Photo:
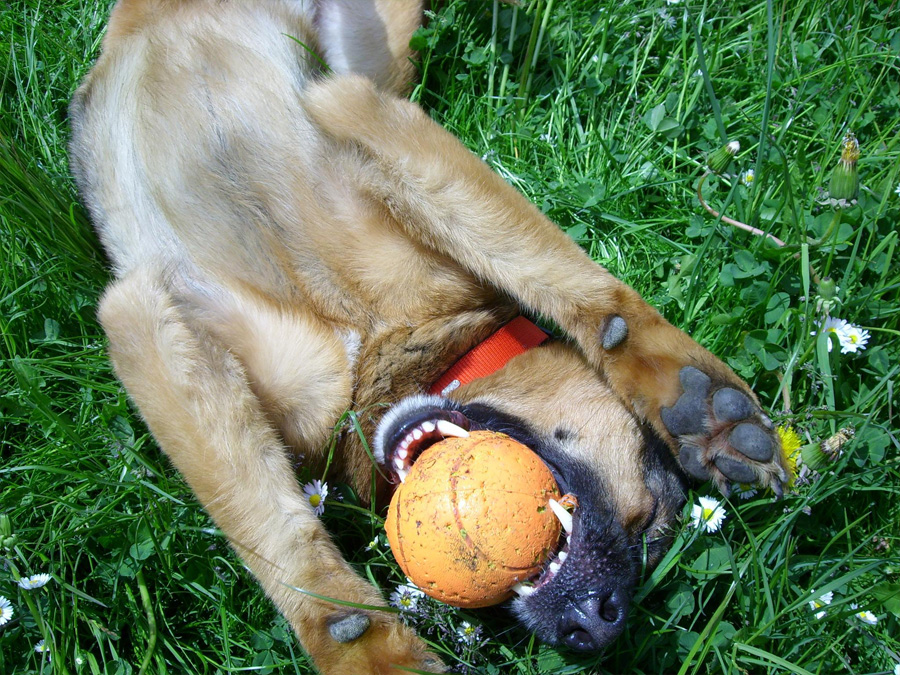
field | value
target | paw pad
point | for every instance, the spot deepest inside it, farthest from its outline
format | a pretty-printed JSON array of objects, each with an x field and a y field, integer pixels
[
  {"x": 752, "y": 442},
  {"x": 348, "y": 627},
  {"x": 689, "y": 411}
]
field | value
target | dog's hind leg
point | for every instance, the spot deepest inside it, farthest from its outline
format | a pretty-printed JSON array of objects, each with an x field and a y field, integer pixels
[
  {"x": 195, "y": 396},
  {"x": 447, "y": 198}
]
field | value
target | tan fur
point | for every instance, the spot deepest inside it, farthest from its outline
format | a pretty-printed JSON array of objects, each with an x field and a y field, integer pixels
[{"x": 289, "y": 246}]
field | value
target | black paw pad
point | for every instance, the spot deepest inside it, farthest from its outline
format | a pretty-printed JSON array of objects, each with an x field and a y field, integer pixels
[
  {"x": 615, "y": 332},
  {"x": 348, "y": 627},
  {"x": 735, "y": 470},
  {"x": 752, "y": 442},
  {"x": 730, "y": 405},
  {"x": 689, "y": 411},
  {"x": 690, "y": 459}
]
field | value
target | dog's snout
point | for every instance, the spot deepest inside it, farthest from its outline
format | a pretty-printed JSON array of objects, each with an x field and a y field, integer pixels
[{"x": 593, "y": 621}]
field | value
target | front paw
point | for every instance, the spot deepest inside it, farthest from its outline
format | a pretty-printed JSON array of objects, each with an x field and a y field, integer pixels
[{"x": 724, "y": 435}]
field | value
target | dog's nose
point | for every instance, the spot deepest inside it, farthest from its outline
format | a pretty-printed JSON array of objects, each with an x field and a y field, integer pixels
[{"x": 593, "y": 621}]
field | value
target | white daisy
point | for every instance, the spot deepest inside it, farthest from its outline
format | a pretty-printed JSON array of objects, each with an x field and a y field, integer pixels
[
  {"x": 745, "y": 490},
  {"x": 406, "y": 597},
  {"x": 898, "y": 192},
  {"x": 897, "y": 667},
  {"x": 748, "y": 177},
  {"x": 467, "y": 633},
  {"x": 6, "y": 611},
  {"x": 865, "y": 616},
  {"x": 818, "y": 603},
  {"x": 836, "y": 326},
  {"x": 42, "y": 648},
  {"x": 709, "y": 513},
  {"x": 853, "y": 338},
  {"x": 34, "y": 581},
  {"x": 315, "y": 492}
]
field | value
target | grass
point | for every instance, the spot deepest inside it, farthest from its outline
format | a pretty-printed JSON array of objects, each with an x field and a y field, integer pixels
[{"x": 602, "y": 113}]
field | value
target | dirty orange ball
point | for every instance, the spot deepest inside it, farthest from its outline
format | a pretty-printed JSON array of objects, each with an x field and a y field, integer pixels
[{"x": 472, "y": 519}]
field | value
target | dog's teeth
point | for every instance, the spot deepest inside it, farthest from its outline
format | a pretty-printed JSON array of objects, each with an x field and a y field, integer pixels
[
  {"x": 417, "y": 434},
  {"x": 428, "y": 427},
  {"x": 562, "y": 556},
  {"x": 554, "y": 567},
  {"x": 564, "y": 516},
  {"x": 523, "y": 590},
  {"x": 402, "y": 474},
  {"x": 449, "y": 429},
  {"x": 399, "y": 463},
  {"x": 401, "y": 453}
]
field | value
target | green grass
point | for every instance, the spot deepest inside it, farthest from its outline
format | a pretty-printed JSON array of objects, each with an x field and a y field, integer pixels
[{"x": 602, "y": 113}]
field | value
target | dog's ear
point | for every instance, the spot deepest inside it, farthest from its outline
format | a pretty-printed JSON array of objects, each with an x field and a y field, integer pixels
[{"x": 371, "y": 38}]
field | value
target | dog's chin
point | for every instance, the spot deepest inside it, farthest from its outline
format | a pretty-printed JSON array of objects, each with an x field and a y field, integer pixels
[{"x": 581, "y": 597}]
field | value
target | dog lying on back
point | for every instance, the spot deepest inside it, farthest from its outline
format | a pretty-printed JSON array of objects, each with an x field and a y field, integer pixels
[{"x": 290, "y": 243}]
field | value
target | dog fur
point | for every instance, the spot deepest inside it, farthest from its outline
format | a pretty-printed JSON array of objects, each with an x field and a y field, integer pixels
[{"x": 291, "y": 241}]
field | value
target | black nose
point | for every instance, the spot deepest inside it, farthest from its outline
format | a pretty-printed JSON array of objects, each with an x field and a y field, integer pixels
[{"x": 593, "y": 621}]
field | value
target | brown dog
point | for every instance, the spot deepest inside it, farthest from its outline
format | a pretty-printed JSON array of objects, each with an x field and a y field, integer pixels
[{"x": 290, "y": 244}]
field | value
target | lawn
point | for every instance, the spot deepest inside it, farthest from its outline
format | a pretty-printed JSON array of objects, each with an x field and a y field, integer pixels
[{"x": 605, "y": 114}]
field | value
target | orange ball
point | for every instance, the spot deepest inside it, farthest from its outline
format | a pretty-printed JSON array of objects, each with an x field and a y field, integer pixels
[{"x": 472, "y": 519}]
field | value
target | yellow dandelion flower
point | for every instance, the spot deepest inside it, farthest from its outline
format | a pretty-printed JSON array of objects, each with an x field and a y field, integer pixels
[{"x": 790, "y": 444}]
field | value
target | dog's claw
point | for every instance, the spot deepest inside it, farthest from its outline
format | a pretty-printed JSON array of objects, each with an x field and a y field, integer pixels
[
  {"x": 349, "y": 627},
  {"x": 614, "y": 333},
  {"x": 723, "y": 434}
]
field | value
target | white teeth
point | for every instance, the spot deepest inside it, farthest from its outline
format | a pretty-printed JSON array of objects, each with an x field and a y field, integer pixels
[
  {"x": 428, "y": 427},
  {"x": 402, "y": 474},
  {"x": 564, "y": 516},
  {"x": 417, "y": 434},
  {"x": 554, "y": 567},
  {"x": 399, "y": 463},
  {"x": 522, "y": 589},
  {"x": 562, "y": 556},
  {"x": 449, "y": 429},
  {"x": 401, "y": 453}
]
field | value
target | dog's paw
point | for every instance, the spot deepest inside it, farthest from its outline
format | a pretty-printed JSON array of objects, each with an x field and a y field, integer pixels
[{"x": 724, "y": 436}]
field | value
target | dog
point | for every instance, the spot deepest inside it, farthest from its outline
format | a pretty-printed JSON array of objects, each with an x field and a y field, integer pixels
[{"x": 291, "y": 239}]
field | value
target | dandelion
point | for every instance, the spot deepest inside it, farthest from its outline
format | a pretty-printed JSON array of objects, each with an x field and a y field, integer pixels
[
  {"x": 853, "y": 339},
  {"x": 6, "y": 611},
  {"x": 790, "y": 444},
  {"x": 315, "y": 492},
  {"x": 406, "y": 597},
  {"x": 817, "y": 604},
  {"x": 748, "y": 177},
  {"x": 719, "y": 160},
  {"x": 34, "y": 581},
  {"x": 844, "y": 185},
  {"x": 709, "y": 513},
  {"x": 467, "y": 633}
]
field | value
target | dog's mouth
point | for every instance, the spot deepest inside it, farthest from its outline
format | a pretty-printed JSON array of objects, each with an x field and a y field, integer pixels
[
  {"x": 412, "y": 428},
  {"x": 561, "y": 509}
]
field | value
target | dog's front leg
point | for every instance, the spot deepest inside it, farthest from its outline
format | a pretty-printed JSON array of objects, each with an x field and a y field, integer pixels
[
  {"x": 447, "y": 198},
  {"x": 194, "y": 395}
]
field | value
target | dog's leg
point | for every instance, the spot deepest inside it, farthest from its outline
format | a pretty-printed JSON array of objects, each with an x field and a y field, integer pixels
[
  {"x": 447, "y": 198},
  {"x": 194, "y": 395}
]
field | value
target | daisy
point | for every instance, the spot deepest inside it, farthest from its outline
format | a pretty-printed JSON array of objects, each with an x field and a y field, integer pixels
[
  {"x": 836, "y": 326},
  {"x": 6, "y": 611},
  {"x": 315, "y": 492},
  {"x": 42, "y": 648},
  {"x": 748, "y": 177},
  {"x": 897, "y": 667},
  {"x": 744, "y": 490},
  {"x": 898, "y": 192},
  {"x": 406, "y": 597},
  {"x": 709, "y": 513},
  {"x": 853, "y": 339},
  {"x": 865, "y": 616},
  {"x": 467, "y": 633},
  {"x": 34, "y": 581},
  {"x": 817, "y": 604}
]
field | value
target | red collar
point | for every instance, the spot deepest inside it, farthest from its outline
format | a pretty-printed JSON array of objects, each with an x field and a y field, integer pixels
[{"x": 516, "y": 337}]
